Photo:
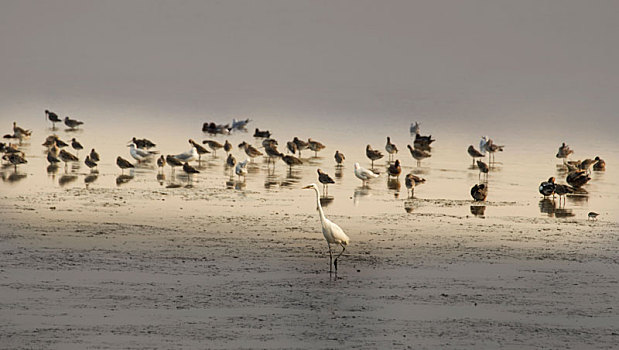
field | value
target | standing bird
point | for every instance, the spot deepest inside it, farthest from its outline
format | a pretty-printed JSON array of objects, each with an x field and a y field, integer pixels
[
  {"x": 479, "y": 192},
  {"x": 227, "y": 147},
  {"x": 547, "y": 188},
  {"x": 483, "y": 168},
  {"x": 189, "y": 170},
  {"x": 290, "y": 161},
  {"x": 315, "y": 146},
  {"x": 325, "y": 180},
  {"x": 188, "y": 156},
  {"x": 15, "y": 159},
  {"x": 423, "y": 142},
  {"x": 332, "y": 232},
  {"x": 577, "y": 179},
  {"x": 394, "y": 169},
  {"x": 52, "y": 158},
  {"x": 20, "y": 133},
  {"x": 53, "y": 117},
  {"x": 230, "y": 161},
  {"x": 391, "y": 148},
  {"x": 67, "y": 157},
  {"x": 272, "y": 152},
  {"x": 161, "y": 162},
  {"x": 339, "y": 158},
  {"x": 292, "y": 147},
  {"x": 600, "y": 164},
  {"x": 411, "y": 181},
  {"x": 364, "y": 174},
  {"x": 564, "y": 151},
  {"x": 301, "y": 145},
  {"x": 492, "y": 148},
  {"x": 418, "y": 154},
  {"x": 72, "y": 123},
  {"x": 262, "y": 134},
  {"x": 241, "y": 169},
  {"x": 250, "y": 150},
  {"x": 201, "y": 150},
  {"x": 76, "y": 145},
  {"x": 592, "y": 215},
  {"x": 562, "y": 190},
  {"x": 474, "y": 153},
  {"x": 94, "y": 156},
  {"x": 140, "y": 154},
  {"x": 89, "y": 162},
  {"x": 123, "y": 164},
  {"x": 214, "y": 145},
  {"x": 143, "y": 143},
  {"x": 173, "y": 162},
  {"x": 372, "y": 154}
]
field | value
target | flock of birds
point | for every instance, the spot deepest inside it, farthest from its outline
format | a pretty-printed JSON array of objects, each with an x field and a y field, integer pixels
[{"x": 143, "y": 150}]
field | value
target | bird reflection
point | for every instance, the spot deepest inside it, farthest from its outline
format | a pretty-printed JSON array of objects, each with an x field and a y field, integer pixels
[
  {"x": 230, "y": 183},
  {"x": 15, "y": 177},
  {"x": 91, "y": 178},
  {"x": 123, "y": 179},
  {"x": 478, "y": 210},
  {"x": 409, "y": 205},
  {"x": 325, "y": 201},
  {"x": 52, "y": 169},
  {"x": 547, "y": 206},
  {"x": 339, "y": 171},
  {"x": 270, "y": 181},
  {"x": 161, "y": 178},
  {"x": 240, "y": 185},
  {"x": 360, "y": 192},
  {"x": 66, "y": 179}
]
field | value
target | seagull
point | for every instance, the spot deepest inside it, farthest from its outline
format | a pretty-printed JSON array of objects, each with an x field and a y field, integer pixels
[
  {"x": 189, "y": 170},
  {"x": 53, "y": 117},
  {"x": 227, "y": 147},
  {"x": 123, "y": 164},
  {"x": 578, "y": 178},
  {"x": 482, "y": 145},
  {"x": 15, "y": 159},
  {"x": 390, "y": 148},
  {"x": 315, "y": 146},
  {"x": 394, "y": 169},
  {"x": 592, "y": 215},
  {"x": 241, "y": 169},
  {"x": 479, "y": 192},
  {"x": 214, "y": 145},
  {"x": 333, "y": 233},
  {"x": 339, "y": 157},
  {"x": 418, "y": 154},
  {"x": 564, "y": 151},
  {"x": 290, "y": 161},
  {"x": 483, "y": 168},
  {"x": 301, "y": 145},
  {"x": 474, "y": 153},
  {"x": 173, "y": 161},
  {"x": 143, "y": 143},
  {"x": 139, "y": 154},
  {"x": 414, "y": 129},
  {"x": 372, "y": 154},
  {"x": 411, "y": 181},
  {"x": 547, "y": 188},
  {"x": 201, "y": 150},
  {"x": 264, "y": 133},
  {"x": 161, "y": 162},
  {"x": 94, "y": 156},
  {"x": 239, "y": 124},
  {"x": 599, "y": 165},
  {"x": 364, "y": 174},
  {"x": 89, "y": 162},
  {"x": 188, "y": 156},
  {"x": 325, "y": 180},
  {"x": 72, "y": 123}
]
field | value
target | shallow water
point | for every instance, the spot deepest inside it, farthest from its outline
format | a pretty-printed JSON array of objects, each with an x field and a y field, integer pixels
[{"x": 513, "y": 180}]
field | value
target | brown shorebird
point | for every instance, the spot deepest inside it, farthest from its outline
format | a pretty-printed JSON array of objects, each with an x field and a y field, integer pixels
[
  {"x": 173, "y": 162},
  {"x": 325, "y": 180},
  {"x": 94, "y": 156},
  {"x": 67, "y": 157},
  {"x": 301, "y": 145},
  {"x": 20, "y": 133},
  {"x": 72, "y": 123},
  {"x": 53, "y": 117},
  {"x": 230, "y": 161},
  {"x": 291, "y": 160},
  {"x": 15, "y": 159},
  {"x": 586, "y": 165},
  {"x": 292, "y": 147},
  {"x": 123, "y": 164},
  {"x": 315, "y": 146},
  {"x": 411, "y": 181},
  {"x": 143, "y": 143},
  {"x": 483, "y": 168},
  {"x": 562, "y": 190},
  {"x": 474, "y": 153},
  {"x": 418, "y": 154},
  {"x": 339, "y": 157},
  {"x": 76, "y": 145},
  {"x": 372, "y": 154},
  {"x": 479, "y": 192},
  {"x": 272, "y": 152},
  {"x": 391, "y": 148},
  {"x": 52, "y": 158},
  {"x": 89, "y": 162},
  {"x": 250, "y": 150},
  {"x": 600, "y": 164},
  {"x": 564, "y": 151},
  {"x": 161, "y": 162},
  {"x": 578, "y": 178},
  {"x": 201, "y": 150},
  {"x": 394, "y": 169},
  {"x": 214, "y": 145},
  {"x": 423, "y": 142},
  {"x": 189, "y": 170},
  {"x": 227, "y": 147},
  {"x": 547, "y": 188}
]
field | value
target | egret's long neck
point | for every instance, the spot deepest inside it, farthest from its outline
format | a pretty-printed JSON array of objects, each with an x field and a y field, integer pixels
[{"x": 322, "y": 214}]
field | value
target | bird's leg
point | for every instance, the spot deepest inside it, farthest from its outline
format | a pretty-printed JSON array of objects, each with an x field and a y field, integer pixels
[
  {"x": 330, "y": 259},
  {"x": 335, "y": 261}
]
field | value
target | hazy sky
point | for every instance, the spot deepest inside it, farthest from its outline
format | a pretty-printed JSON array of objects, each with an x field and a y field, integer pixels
[{"x": 462, "y": 62}]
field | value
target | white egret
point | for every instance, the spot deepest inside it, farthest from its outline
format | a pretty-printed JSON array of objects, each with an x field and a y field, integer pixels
[
  {"x": 331, "y": 231},
  {"x": 364, "y": 174}
]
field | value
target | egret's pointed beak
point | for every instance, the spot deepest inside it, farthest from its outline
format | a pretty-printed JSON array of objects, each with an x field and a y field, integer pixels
[{"x": 306, "y": 187}]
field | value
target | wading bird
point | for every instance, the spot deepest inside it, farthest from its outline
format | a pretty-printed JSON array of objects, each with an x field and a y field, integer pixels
[
  {"x": 363, "y": 174},
  {"x": 325, "y": 180}
]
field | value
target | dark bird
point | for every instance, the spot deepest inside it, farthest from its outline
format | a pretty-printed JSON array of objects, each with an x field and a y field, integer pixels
[
  {"x": 67, "y": 157},
  {"x": 227, "y": 147},
  {"x": 600, "y": 164},
  {"x": 94, "y": 156},
  {"x": 189, "y": 170},
  {"x": 291, "y": 160},
  {"x": 339, "y": 157},
  {"x": 172, "y": 161},
  {"x": 72, "y": 123},
  {"x": 418, "y": 154},
  {"x": 423, "y": 142},
  {"x": 479, "y": 192},
  {"x": 53, "y": 117},
  {"x": 562, "y": 190},
  {"x": 586, "y": 165},
  {"x": 230, "y": 161},
  {"x": 483, "y": 168},
  {"x": 578, "y": 178},
  {"x": 123, "y": 164},
  {"x": 52, "y": 158},
  {"x": 263, "y": 133},
  {"x": 89, "y": 162},
  {"x": 474, "y": 153},
  {"x": 15, "y": 159},
  {"x": 201, "y": 150},
  {"x": 54, "y": 140},
  {"x": 395, "y": 169},
  {"x": 161, "y": 162},
  {"x": 76, "y": 145},
  {"x": 564, "y": 151},
  {"x": 372, "y": 154},
  {"x": 547, "y": 188},
  {"x": 411, "y": 181},
  {"x": 390, "y": 148},
  {"x": 592, "y": 215},
  {"x": 214, "y": 145},
  {"x": 292, "y": 147},
  {"x": 325, "y": 180},
  {"x": 269, "y": 143},
  {"x": 315, "y": 146},
  {"x": 301, "y": 145},
  {"x": 272, "y": 152},
  {"x": 143, "y": 143}
]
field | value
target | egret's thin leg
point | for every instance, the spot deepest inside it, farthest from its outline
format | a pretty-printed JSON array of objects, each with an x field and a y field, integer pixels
[
  {"x": 335, "y": 261},
  {"x": 330, "y": 258}
]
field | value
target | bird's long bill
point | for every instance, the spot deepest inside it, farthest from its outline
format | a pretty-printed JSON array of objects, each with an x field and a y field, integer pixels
[{"x": 306, "y": 187}]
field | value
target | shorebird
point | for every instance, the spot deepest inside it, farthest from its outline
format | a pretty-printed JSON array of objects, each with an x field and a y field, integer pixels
[
  {"x": 214, "y": 145},
  {"x": 20, "y": 133},
  {"x": 547, "y": 188},
  {"x": 263, "y": 133},
  {"x": 423, "y": 142},
  {"x": 15, "y": 159},
  {"x": 89, "y": 162},
  {"x": 143, "y": 143},
  {"x": 474, "y": 153},
  {"x": 315, "y": 146},
  {"x": 290, "y": 161},
  {"x": 394, "y": 169},
  {"x": 390, "y": 148},
  {"x": 339, "y": 157},
  {"x": 54, "y": 140},
  {"x": 269, "y": 143},
  {"x": 562, "y": 190},
  {"x": 214, "y": 129},
  {"x": 123, "y": 164},
  {"x": 72, "y": 123},
  {"x": 592, "y": 215},
  {"x": 372, "y": 154},
  {"x": 492, "y": 148},
  {"x": 250, "y": 150},
  {"x": 586, "y": 165},
  {"x": 364, "y": 174},
  {"x": 53, "y": 117},
  {"x": 418, "y": 154},
  {"x": 140, "y": 154},
  {"x": 325, "y": 180},
  {"x": 161, "y": 162},
  {"x": 564, "y": 151},
  {"x": 411, "y": 181},
  {"x": 241, "y": 169},
  {"x": 578, "y": 178},
  {"x": 188, "y": 156},
  {"x": 479, "y": 192},
  {"x": 292, "y": 147},
  {"x": 301, "y": 145},
  {"x": 599, "y": 165},
  {"x": 272, "y": 152},
  {"x": 227, "y": 147},
  {"x": 189, "y": 170},
  {"x": 67, "y": 157},
  {"x": 52, "y": 158},
  {"x": 11, "y": 148},
  {"x": 94, "y": 156},
  {"x": 76, "y": 145},
  {"x": 483, "y": 168},
  {"x": 482, "y": 145},
  {"x": 173, "y": 162},
  {"x": 201, "y": 150},
  {"x": 333, "y": 233},
  {"x": 230, "y": 161}
]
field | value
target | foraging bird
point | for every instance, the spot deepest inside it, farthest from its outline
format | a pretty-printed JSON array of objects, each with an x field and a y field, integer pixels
[
  {"x": 564, "y": 151},
  {"x": 214, "y": 145},
  {"x": 15, "y": 159},
  {"x": 418, "y": 154},
  {"x": 241, "y": 169},
  {"x": 230, "y": 161},
  {"x": 264, "y": 133},
  {"x": 53, "y": 117},
  {"x": 372, "y": 154},
  {"x": 143, "y": 143},
  {"x": 333, "y": 233},
  {"x": 123, "y": 164},
  {"x": 315, "y": 146},
  {"x": 325, "y": 180},
  {"x": 188, "y": 156},
  {"x": 547, "y": 188},
  {"x": 592, "y": 215},
  {"x": 94, "y": 156},
  {"x": 290, "y": 161},
  {"x": 364, "y": 174},
  {"x": 72, "y": 123},
  {"x": 227, "y": 147},
  {"x": 390, "y": 148},
  {"x": 76, "y": 145},
  {"x": 578, "y": 178},
  {"x": 474, "y": 153},
  {"x": 483, "y": 168},
  {"x": 479, "y": 192},
  {"x": 411, "y": 181},
  {"x": 89, "y": 162},
  {"x": 600, "y": 164},
  {"x": 301, "y": 145},
  {"x": 172, "y": 161},
  {"x": 67, "y": 157},
  {"x": 189, "y": 170},
  {"x": 562, "y": 190},
  {"x": 201, "y": 150},
  {"x": 394, "y": 169},
  {"x": 161, "y": 162},
  {"x": 292, "y": 147},
  {"x": 339, "y": 157}
]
